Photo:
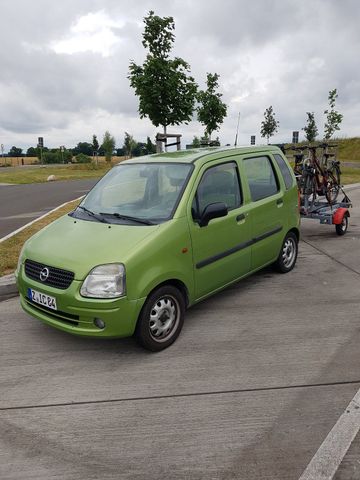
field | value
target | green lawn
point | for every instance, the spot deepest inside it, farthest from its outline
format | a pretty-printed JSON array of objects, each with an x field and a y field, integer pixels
[{"x": 40, "y": 174}]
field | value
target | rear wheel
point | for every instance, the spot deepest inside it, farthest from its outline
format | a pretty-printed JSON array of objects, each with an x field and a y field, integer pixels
[
  {"x": 288, "y": 254},
  {"x": 332, "y": 188},
  {"x": 342, "y": 227},
  {"x": 161, "y": 318}
]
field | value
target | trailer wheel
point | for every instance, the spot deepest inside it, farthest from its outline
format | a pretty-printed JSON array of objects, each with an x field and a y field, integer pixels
[{"x": 342, "y": 227}]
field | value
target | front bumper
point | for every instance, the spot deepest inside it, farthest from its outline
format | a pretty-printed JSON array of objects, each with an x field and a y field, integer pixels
[{"x": 76, "y": 314}]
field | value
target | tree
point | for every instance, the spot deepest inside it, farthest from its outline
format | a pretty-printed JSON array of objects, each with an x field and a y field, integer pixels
[
  {"x": 129, "y": 144},
  {"x": 95, "y": 145},
  {"x": 310, "y": 129},
  {"x": 211, "y": 111},
  {"x": 15, "y": 152},
  {"x": 269, "y": 126},
  {"x": 83, "y": 147},
  {"x": 333, "y": 118},
  {"x": 108, "y": 145},
  {"x": 150, "y": 147},
  {"x": 196, "y": 143},
  {"x": 165, "y": 89}
]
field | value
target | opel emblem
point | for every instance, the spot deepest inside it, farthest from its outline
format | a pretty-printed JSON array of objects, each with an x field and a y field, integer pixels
[{"x": 44, "y": 274}]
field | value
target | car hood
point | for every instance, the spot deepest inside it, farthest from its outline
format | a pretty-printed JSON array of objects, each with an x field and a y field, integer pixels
[{"x": 79, "y": 245}]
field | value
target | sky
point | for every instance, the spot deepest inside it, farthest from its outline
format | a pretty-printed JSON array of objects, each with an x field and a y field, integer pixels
[{"x": 64, "y": 65}]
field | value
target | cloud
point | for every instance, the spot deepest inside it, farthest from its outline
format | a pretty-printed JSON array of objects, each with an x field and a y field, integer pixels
[{"x": 63, "y": 69}]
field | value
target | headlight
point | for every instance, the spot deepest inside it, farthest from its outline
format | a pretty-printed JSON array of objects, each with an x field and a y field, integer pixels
[{"x": 105, "y": 281}]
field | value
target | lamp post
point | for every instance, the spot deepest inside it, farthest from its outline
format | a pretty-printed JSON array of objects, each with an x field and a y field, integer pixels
[
  {"x": 62, "y": 153},
  {"x": 2, "y": 151}
]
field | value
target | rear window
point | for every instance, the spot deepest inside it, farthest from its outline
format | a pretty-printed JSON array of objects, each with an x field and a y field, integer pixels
[
  {"x": 261, "y": 177},
  {"x": 285, "y": 171}
]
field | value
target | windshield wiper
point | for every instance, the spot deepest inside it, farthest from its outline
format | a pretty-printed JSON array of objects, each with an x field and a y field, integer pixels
[
  {"x": 128, "y": 217},
  {"x": 93, "y": 214}
]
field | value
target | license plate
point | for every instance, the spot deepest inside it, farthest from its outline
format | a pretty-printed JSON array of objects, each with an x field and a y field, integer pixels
[{"x": 42, "y": 299}]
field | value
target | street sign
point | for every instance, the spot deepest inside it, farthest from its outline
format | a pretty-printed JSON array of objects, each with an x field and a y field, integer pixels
[
  {"x": 41, "y": 142},
  {"x": 295, "y": 138}
]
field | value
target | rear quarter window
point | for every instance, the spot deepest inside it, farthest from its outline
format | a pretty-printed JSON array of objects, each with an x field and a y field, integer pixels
[{"x": 285, "y": 171}]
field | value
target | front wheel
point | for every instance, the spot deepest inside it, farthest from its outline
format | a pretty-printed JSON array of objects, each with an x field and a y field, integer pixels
[
  {"x": 161, "y": 318},
  {"x": 288, "y": 254}
]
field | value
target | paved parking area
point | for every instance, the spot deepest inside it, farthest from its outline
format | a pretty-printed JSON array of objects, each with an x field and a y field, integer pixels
[{"x": 257, "y": 379}]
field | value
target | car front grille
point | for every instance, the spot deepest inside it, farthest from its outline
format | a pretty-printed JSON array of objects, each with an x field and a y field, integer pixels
[{"x": 56, "y": 278}]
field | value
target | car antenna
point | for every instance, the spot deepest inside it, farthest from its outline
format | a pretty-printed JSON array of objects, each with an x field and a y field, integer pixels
[{"x": 237, "y": 131}]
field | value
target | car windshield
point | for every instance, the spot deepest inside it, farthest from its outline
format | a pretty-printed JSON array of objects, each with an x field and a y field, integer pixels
[{"x": 143, "y": 193}]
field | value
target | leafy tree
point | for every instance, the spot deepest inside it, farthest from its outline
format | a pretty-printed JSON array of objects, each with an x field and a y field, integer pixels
[
  {"x": 129, "y": 144},
  {"x": 150, "y": 147},
  {"x": 83, "y": 147},
  {"x": 211, "y": 111},
  {"x": 165, "y": 89},
  {"x": 139, "y": 149},
  {"x": 310, "y": 129},
  {"x": 15, "y": 152},
  {"x": 333, "y": 118},
  {"x": 32, "y": 152},
  {"x": 196, "y": 143},
  {"x": 269, "y": 126},
  {"x": 95, "y": 145},
  {"x": 108, "y": 145},
  {"x": 120, "y": 152}
]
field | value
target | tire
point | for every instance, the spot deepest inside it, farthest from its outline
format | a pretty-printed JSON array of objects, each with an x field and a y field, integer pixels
[
  {"x": 332, "y": 188},
  {"x": 161, "y": 318},
  {"x": 309, "y": 190},
  {"x": 342, "y": 227},
  {"x": 288, "y": 254}
]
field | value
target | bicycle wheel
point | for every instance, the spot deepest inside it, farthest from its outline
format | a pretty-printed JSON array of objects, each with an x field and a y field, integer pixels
[
  {"x": 332, "y": 188},
  {"x": 334, "y": 169},
  {"x": 309, "y": 190}
]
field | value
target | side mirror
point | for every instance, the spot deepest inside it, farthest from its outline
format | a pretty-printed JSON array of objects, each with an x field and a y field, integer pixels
[{"x": 213, "y": 210}]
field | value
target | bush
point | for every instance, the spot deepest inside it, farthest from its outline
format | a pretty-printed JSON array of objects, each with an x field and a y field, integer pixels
[
  {"x": 81, "y": 158},
  {"x": 51, "y": 157}
]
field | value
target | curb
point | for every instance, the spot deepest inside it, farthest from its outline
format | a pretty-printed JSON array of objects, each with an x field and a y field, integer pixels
[{"x": 8, "y": 288}]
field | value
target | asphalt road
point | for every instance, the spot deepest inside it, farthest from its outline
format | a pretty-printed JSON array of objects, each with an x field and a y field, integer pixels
[
  {"x": 19, "y": 204},
  {"x": 250, "y": 389}
]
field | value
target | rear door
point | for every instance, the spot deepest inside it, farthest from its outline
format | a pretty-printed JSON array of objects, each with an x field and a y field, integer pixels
[
  {"x": 268, "y": 216},
  {"x": 222, "y": 249}
]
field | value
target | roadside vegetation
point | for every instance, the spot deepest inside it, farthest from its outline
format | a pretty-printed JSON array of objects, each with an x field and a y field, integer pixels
[
  {"x": 10, "y": 249},
  {"x": 40, "y": 174}
]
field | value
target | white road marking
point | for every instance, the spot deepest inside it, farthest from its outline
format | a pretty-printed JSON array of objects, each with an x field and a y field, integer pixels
[
  {"x": 36, "y": 220},
  {"x": 328, "y": 458}
]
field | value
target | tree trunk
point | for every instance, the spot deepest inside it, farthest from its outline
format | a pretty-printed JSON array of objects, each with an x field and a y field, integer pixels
[{"x": 165, "y": 143}]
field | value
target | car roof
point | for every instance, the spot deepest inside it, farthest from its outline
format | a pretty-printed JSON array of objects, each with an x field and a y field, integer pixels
[{"x": 200, "y": 154}]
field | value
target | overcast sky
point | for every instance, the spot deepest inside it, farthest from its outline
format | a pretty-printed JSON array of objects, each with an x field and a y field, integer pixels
[{"x": 64, "y": 65}]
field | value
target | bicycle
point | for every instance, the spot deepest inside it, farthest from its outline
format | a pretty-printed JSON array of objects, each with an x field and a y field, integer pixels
[{"x": 319, "y": 180}]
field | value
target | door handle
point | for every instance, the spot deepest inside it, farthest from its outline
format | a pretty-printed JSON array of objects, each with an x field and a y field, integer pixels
[
  {"x": 240, "y": 217},
  {"x": 279, "y": 202}
]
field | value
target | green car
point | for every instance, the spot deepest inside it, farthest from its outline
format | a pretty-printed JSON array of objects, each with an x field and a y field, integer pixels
[{"x": 156, "y": 235}]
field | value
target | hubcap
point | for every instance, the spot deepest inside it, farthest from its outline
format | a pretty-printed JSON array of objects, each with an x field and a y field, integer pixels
[
  {"x": 164, "y": 317},
  {"x": 289, "y": 252}
]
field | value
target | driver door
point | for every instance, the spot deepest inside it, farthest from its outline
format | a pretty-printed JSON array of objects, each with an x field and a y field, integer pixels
[{"x": 222, "y": 249}]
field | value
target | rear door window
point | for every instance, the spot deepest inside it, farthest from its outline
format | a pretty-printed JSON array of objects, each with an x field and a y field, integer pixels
[{"x": 261, "y": 177}]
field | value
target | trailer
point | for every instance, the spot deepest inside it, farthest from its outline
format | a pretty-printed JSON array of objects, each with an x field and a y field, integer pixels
[{"x": 336, "y": 213}]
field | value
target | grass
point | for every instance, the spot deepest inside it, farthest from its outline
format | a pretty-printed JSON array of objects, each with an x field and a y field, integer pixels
[
  {"x": 40, "y": 174},
  {"x": 350, "y": 175},
  {"x": 10, "y": 249}
]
